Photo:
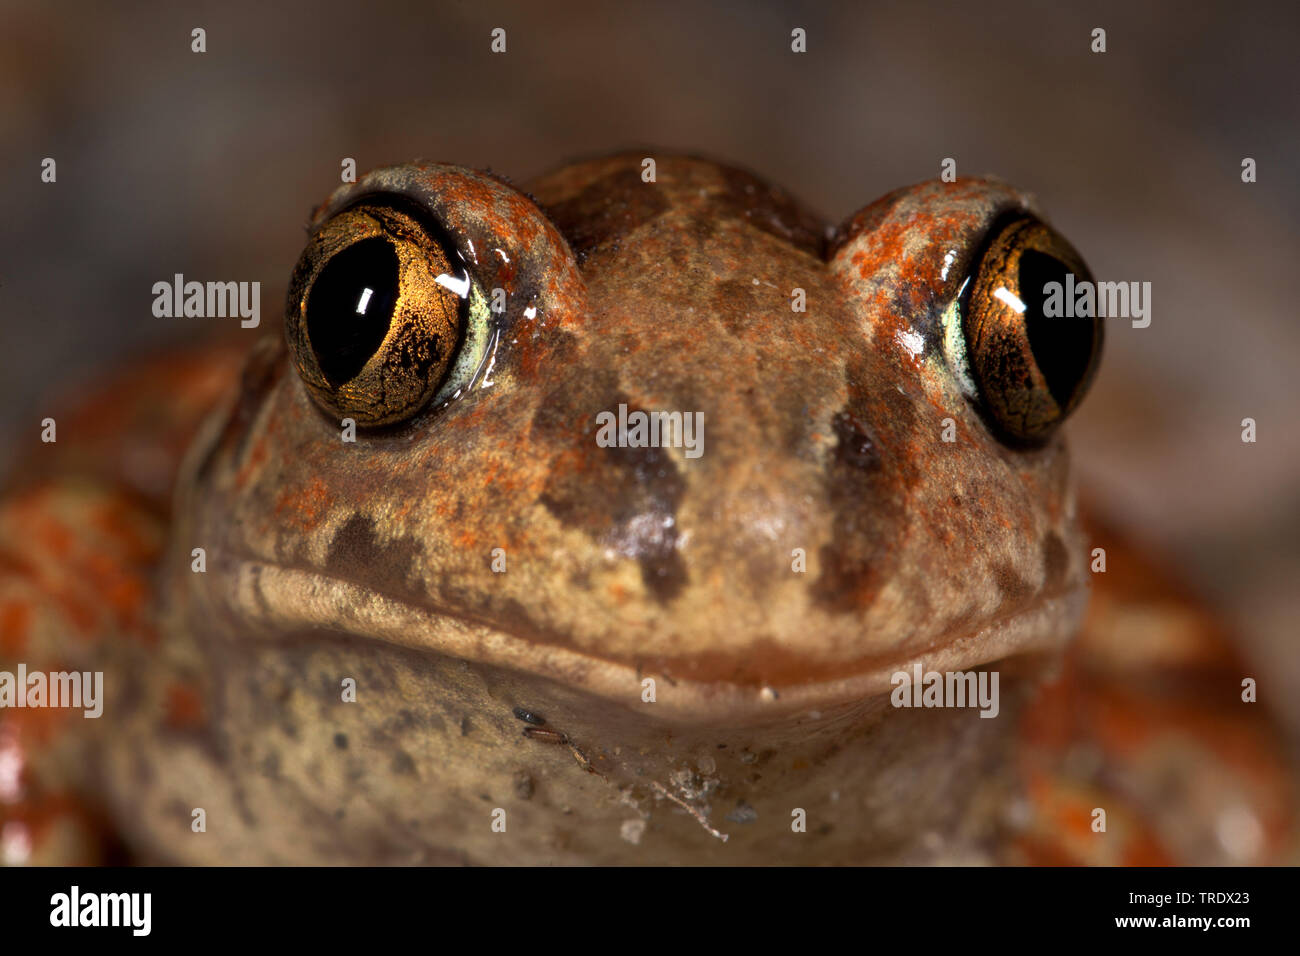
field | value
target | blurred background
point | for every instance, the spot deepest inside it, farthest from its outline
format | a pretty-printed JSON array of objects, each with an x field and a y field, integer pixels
[{"x": 171, "y": 161}]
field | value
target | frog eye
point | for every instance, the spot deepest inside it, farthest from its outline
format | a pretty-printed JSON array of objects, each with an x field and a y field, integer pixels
[
  {"x": 381, "y": 309},
  {"x": 1031, "y": 362}
]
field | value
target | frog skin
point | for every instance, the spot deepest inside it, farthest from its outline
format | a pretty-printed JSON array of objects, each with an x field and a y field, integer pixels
[{"x": 652, "y": 678}]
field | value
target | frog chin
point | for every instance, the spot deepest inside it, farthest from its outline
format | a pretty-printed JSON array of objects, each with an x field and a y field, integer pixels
[{"x": 272, "y": 600}]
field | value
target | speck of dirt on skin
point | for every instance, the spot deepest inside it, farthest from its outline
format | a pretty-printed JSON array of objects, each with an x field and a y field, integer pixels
[
  {"x": 743, "y": 813},
  {"x": 524, "y": 785},
  {"x": 528, "y": 717},
  {"x": 632, "y": 830}
]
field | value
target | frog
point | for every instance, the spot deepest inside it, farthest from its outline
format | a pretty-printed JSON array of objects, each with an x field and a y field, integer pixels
[{"x": 383, "y": 585}]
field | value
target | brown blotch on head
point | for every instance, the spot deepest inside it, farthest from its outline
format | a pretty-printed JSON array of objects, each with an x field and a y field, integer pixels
[
  {"x": 623, "y": 498},
  {"x": 606, "y": 210},
  {"x": 866, "y": 513},
  {"x": 357, "y": 554},
  {"x": 772, "y": 210}
]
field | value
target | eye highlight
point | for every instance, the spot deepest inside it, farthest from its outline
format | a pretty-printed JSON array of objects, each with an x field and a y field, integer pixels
[
  {"x": 1030, "y": 369},
  {"x": 380, "y": 314}
]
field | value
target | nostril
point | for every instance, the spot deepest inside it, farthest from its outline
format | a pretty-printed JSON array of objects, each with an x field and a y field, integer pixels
[{"x": 856, "y": 446}]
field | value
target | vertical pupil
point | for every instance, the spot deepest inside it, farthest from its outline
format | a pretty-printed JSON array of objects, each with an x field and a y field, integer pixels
[
  {"x": 350, "y": 307},
  {"x": 1062, "y": 345}
]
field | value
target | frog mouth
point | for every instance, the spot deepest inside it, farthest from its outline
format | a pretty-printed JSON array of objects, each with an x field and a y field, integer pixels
[{"x": 271, "y": 600}]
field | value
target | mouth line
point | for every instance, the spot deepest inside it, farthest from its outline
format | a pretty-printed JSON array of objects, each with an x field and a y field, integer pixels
[{"x": 272, "y": 595}]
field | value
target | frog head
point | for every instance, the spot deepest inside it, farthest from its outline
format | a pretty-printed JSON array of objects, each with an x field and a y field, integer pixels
[{"x": 642, "y": 422}]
